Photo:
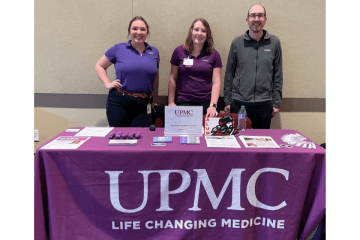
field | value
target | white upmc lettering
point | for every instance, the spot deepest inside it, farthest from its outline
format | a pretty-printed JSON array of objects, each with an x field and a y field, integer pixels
[
  {"x": 114, "y": 191},
  {"x": 202, "y": 178},
  {"x": 250, "y": 190},
  {"x": 164, "y": 189}
]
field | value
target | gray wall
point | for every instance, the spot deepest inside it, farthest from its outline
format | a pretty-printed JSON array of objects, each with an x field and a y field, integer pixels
[{"x": 70, "y": 36}]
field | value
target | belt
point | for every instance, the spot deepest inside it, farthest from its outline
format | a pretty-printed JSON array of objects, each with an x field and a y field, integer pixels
[{"x": 140, "y": 95}]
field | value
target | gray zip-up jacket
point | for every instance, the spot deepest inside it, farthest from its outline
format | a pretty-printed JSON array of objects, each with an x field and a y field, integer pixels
[{"x": 254, "y": 70}]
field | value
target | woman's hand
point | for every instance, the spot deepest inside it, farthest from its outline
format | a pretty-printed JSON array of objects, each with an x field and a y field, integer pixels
[
  {"x": 172, "y": 104},
  {"x": 215, "y": 92},
  {"x": 114, "y": 84},
  {"x": 211, "y": 112},
  {"x": 100, "y": 68}
]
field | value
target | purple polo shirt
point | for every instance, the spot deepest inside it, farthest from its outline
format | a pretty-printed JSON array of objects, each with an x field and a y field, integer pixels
[
  {"x": 195, "y": 82},
  {"x": 136, "y": 73}
]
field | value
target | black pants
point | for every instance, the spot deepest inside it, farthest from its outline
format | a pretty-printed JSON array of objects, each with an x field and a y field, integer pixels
[
  {"x": 126, "y": 111},
  {"x": 259, "y": 114}
]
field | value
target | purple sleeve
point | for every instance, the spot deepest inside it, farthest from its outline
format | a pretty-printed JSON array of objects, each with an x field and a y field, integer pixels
[
  {"x": 111, "y": 54},
  {"x": 174, "y": 58},
  {"x": 217, "y": 59}
]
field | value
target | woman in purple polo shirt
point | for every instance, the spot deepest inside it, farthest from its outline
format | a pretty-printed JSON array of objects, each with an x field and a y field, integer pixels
[
  {"x": 196, "y": 70},
  {"x": 136, "y": 66}
]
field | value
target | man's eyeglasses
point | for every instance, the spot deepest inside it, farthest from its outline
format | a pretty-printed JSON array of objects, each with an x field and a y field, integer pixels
[{"x": 260, "y": 15}]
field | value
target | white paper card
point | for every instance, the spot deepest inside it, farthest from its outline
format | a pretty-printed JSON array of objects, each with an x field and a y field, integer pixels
[
  {"x": 94, "y": 132},
  {"x": 72, "y": 130},
  {"x": 122, "y": 142},
  {"x": 188, "y": 62},
  {"x": 183, "y": 121}
]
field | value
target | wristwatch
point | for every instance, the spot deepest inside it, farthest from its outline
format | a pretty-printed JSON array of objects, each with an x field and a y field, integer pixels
[{"x": 213, "y": 105}]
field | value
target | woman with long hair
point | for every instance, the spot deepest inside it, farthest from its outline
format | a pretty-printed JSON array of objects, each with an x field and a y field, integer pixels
[
  {"x": 136, "y": 66},
  {"x": 196, "y": 70}
]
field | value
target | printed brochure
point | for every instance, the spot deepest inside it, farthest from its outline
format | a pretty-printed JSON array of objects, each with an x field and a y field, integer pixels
[
  {"x": 66, "y": 142},
  {"x": 258, "y": 142},
  {"x": 222, "y": 141}
]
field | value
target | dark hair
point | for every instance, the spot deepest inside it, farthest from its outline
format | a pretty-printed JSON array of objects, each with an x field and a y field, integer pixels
[
  {"x": 248, "y": 15},
  {"x": 209, "y": 43},
  {"x": 138, "y": 18}
]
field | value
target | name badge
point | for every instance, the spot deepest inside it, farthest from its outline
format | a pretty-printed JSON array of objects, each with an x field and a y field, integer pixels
[
  {"x": 188, "y": 62},
  {"x": 148, "y": 108}
]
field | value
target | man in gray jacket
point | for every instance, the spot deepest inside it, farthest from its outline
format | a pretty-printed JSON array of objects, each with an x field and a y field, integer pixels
[{"x": 253, "y": 76}]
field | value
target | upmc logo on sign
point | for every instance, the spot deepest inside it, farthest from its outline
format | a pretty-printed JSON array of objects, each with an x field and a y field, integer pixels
[
  {"x": 202, "y": 179},
  {"x": 184, "y": 113},
  {"x": 183, "y": 120}
]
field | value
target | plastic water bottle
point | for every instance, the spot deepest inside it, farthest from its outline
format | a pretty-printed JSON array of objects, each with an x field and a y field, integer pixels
[{"x": 242, "y": 119}]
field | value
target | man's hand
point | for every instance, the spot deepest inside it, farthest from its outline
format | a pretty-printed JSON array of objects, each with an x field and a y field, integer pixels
[
  {"x": 227, "y": 109},
  {"x": 275, "y": 111}
]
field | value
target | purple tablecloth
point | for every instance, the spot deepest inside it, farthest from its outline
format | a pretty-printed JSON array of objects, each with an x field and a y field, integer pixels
[{"x": 178, "y": 191}]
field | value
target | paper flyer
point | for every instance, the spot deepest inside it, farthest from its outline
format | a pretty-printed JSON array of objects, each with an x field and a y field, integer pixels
[
  {"x": 222, "y": 141},
  {"x": 94, "y": 132},
  {"x": 258, "y": 142},
  {"x": 66, "y": 142}
]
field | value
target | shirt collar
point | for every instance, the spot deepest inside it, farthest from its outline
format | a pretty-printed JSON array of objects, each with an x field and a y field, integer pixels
[
  {"x": 266, "y": 35},
  {"x": 202, "y": 53},
  {"x": 147, "y": 46}
]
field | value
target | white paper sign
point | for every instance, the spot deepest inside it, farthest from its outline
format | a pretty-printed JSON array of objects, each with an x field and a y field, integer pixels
[
  {"x": 183, "y": 121},
  {"x": 94, "y": 132}
]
